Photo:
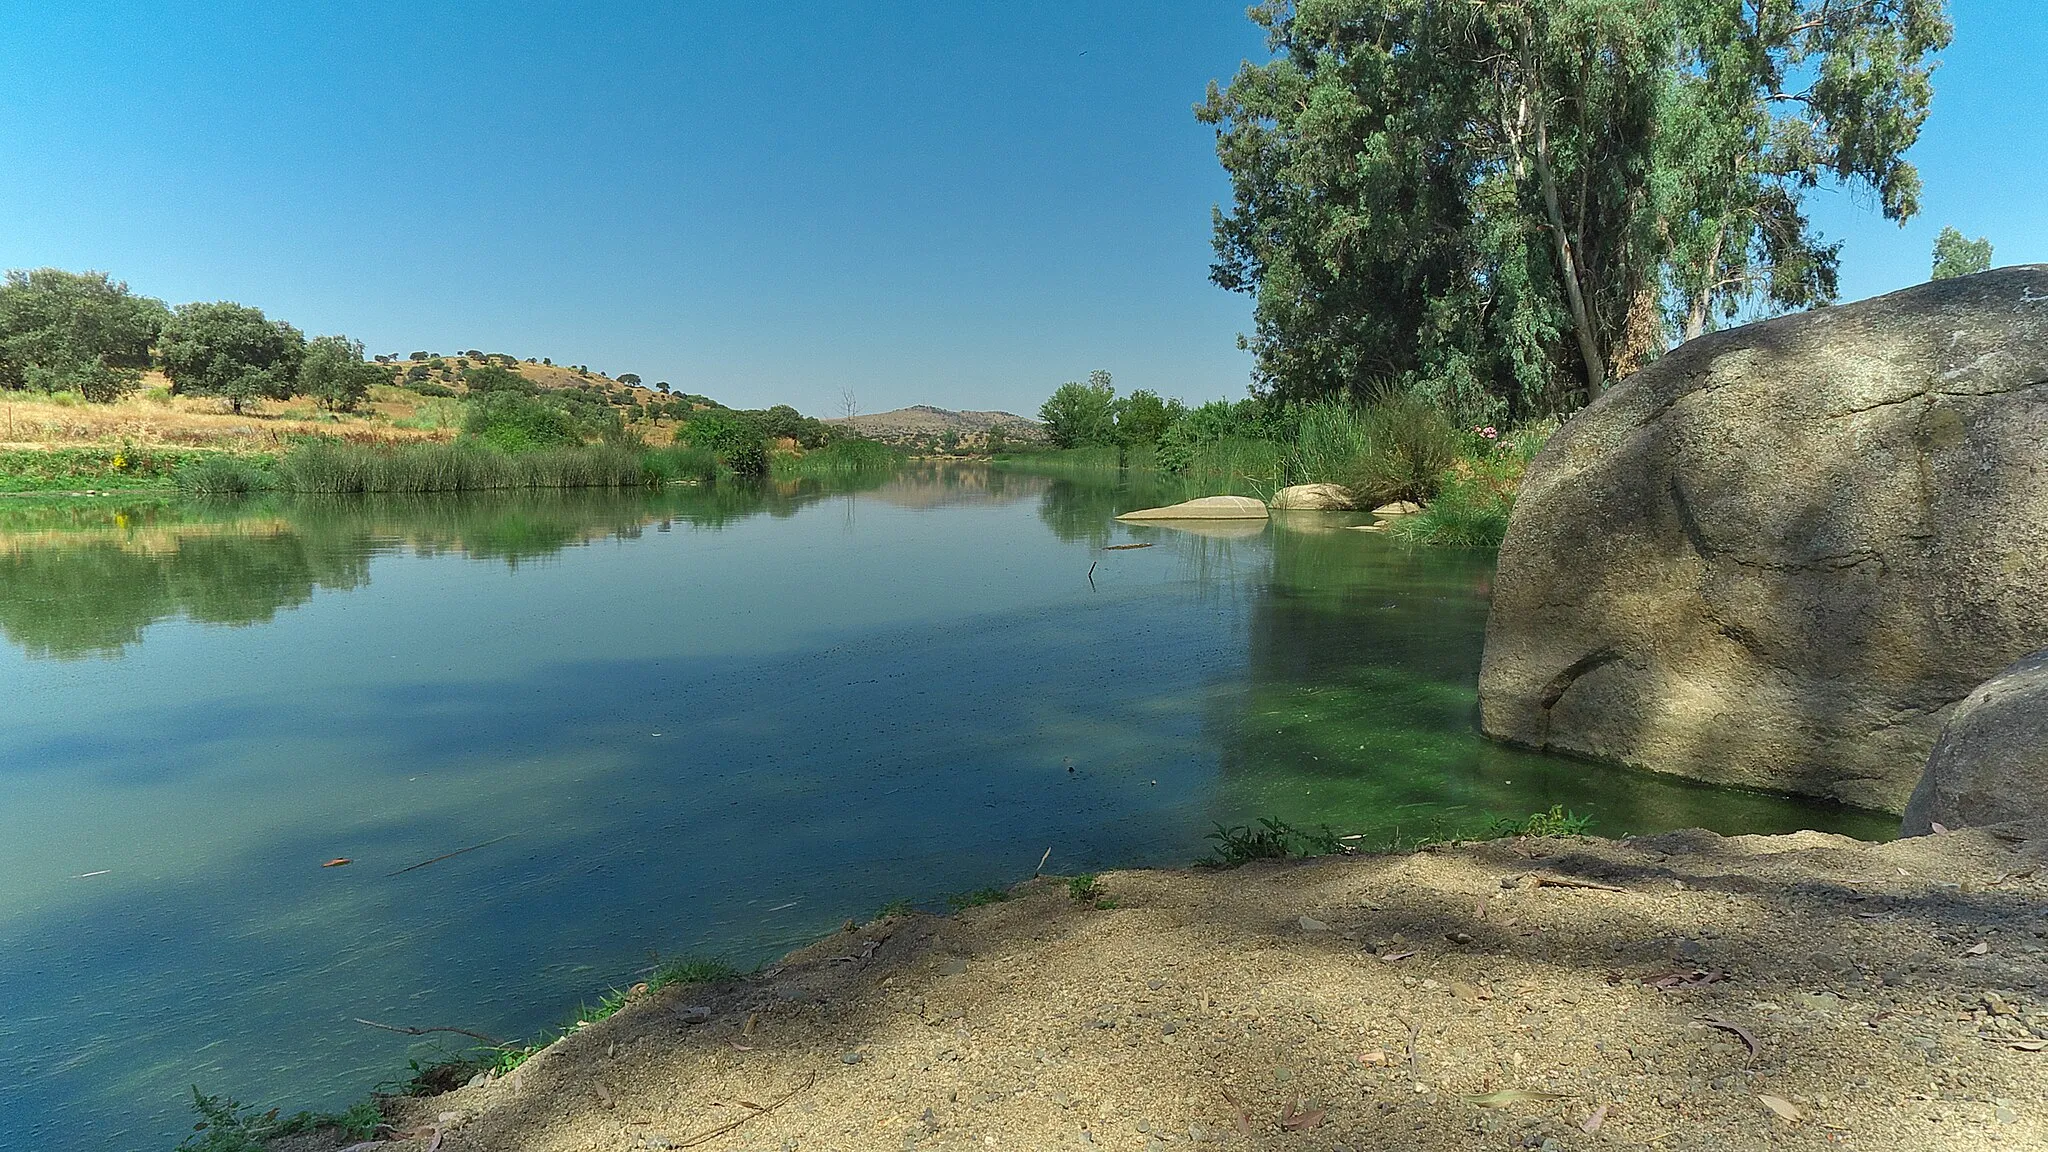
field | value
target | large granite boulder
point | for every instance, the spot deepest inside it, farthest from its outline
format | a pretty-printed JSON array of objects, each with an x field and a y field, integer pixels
[
  {"x": 1778, "y": 556},
  {"x": 1990, "y": 767}
]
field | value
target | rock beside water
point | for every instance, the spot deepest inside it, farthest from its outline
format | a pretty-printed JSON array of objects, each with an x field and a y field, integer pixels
[
  {"x": 1990, "y": 767},
  {"x": 1204, "y": 508},
  {"x": 1315, "y": 498},
  {"x": 1779, "y": 556}
]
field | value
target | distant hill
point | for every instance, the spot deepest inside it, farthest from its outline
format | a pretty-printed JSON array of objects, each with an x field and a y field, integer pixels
[{"x": 922, "y": 425}]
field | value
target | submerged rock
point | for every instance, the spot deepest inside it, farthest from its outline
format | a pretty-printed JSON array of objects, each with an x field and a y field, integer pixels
[
  {"x": 1398, "y": 508},
  {"x": 1990, "y": 767},
  {"x": 1777, "y": 557},
  {"x": 1204, "y": 508},
  {"x": 1315, "y": 498}
]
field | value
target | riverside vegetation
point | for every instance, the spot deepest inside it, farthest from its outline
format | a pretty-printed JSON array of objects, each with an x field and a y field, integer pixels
[
  {"x": 107, "y": 390},
  {"x": 1392, "y": 445}
]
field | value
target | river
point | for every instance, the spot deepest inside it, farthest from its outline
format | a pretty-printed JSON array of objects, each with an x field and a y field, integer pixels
[{"x": 708, "y": 723}]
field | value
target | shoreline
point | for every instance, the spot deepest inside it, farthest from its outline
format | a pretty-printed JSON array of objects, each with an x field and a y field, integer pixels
[{"x": 1678, "y": 991}]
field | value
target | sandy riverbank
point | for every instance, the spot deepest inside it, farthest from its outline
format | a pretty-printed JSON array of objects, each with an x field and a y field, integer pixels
[{"x": 1896, "y": 997}]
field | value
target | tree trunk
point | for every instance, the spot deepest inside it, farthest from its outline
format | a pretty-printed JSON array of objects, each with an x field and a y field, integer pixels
[
  {"x": 1703, "y": 302},
  {"x": 1560, "y": 232}
]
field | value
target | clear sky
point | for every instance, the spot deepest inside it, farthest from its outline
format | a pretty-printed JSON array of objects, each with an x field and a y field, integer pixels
[{"x": 961, "y": 204}]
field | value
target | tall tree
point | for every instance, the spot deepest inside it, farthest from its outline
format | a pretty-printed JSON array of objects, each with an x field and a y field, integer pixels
[
  {"x": 1488, "y": 201},
  {"x": 1081, "y": 415},
  {"x": 1768, "y": 99},
  {"x": 230, "y": 351},
  {"x": 1956, "y": 256},
  {"x": 75, "y": 331}
]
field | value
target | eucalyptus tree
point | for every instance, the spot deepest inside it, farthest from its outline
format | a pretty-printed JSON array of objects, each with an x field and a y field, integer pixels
[
  {"x": 1492, "y": 202},
  {"x": 1769, "y": 99},
  {"x": 1956, "y": 256}
]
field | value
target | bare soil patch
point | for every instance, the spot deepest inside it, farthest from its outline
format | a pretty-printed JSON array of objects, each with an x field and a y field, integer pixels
[{"x": 1677, "y": 992}]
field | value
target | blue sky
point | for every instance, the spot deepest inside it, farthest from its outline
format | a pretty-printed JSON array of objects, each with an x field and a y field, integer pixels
[{"x": 961, "y": 204}]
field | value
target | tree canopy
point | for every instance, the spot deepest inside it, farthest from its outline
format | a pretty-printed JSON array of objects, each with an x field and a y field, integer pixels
[
  {"x": 334, "y": 373},
  {"x": 75, "y": 331},
  {"x": 231, "y": 351},
  {"x": 1956, "y": 256},
  {"x": 1077, "y": 415},
  {"x": 1502, "y": 205}
]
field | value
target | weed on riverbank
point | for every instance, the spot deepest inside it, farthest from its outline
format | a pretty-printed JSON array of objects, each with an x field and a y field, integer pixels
[
  {"x": 1277, "y": 840},
  {"x": 226, "y": 1125}
]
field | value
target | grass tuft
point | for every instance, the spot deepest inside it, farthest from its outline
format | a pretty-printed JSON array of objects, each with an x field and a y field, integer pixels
[{"x": 980, "y": 897}]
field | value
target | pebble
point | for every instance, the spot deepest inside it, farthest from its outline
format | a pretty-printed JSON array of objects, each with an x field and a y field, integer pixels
[
  {"x": 696, "y": 1014},
  {"x": 1311, "y": 924},
  {"x": 850, "y": 1058},
  {"x": 952, "y": 966},
  {"x": 1155, "y": 984}
]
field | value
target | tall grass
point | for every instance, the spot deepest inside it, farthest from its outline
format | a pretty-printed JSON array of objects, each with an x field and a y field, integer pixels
[
  {"x": 1238, "y": 465},
  {"x": 679, "y": 462},
  {"x": 1096, "y": 461},
  {"x": 840, "y": 460},
  {"x": 222, "y": 475},
  {"x": 1330, "y": 436},
  {"x": 334, "y": 468}
]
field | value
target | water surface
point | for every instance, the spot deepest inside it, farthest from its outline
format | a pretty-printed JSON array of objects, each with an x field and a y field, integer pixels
[{"x": 710, "y": 722}]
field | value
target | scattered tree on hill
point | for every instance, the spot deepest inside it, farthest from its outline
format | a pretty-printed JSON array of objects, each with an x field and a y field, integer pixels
[
  {"x": 230, "y": 351},
  {"x": 1502, "y": 206},
  {"x": 491, "y": 378},
  {"x": 75, "y": 331},
  {"x": 1078, "y": 415},
  {"x": 631, "y": 379},
  {"x": 663, "y": 385},
  {"x": 996, "y": 440},
  {"x": 1956, "y": 256},
  {"x": 333, "y": 372},
  {"x": 418, "y": 356}
]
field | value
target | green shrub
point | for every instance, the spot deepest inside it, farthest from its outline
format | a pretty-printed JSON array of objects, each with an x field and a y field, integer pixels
[
  {"x": 512, "y": 422},
  {"x": 430, "y": 389},
  {"x": 1411, "y": 446},
  {"x": 748, "y": 459}
]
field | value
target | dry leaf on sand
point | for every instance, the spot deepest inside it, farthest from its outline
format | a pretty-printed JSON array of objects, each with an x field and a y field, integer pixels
[
  {"x": 1785, "y": 1109},
  {"x": 1507, "y": 1096},
  {"x": 1591, "y": 1124}
]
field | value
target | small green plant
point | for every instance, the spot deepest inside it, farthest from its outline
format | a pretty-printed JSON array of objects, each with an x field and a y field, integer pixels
[
  {"x": 1084, "y": 888},
  {"x": 1559, "y": 821},
  {"x": 226, "y": 1125},
  {"x": 961, "y": 901},
  {"x": 1271, "y": 840}
]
